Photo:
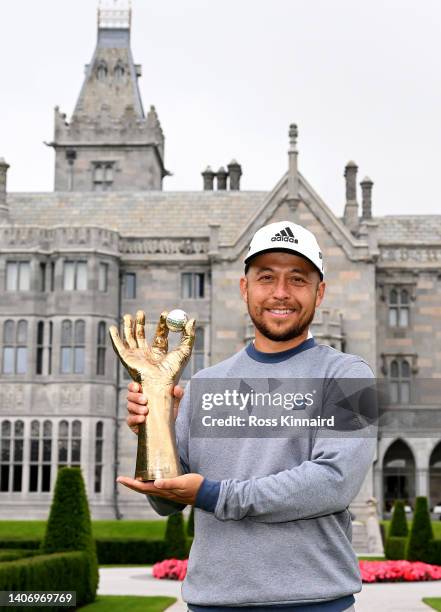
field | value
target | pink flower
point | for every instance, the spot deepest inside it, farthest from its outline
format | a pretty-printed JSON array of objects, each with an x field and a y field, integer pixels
[
  {"x": 170, "y": 569},
  {"x": 397, "y": 571}
]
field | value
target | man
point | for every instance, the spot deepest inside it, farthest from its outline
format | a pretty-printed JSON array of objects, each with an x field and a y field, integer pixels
[{"x": 272, "y": 526}]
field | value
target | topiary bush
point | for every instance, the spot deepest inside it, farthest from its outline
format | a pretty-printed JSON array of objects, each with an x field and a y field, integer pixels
[
  {"x": 421, "y": 533},
  {"x": 190, "y": 524},
  {"x": 175, "y": 538},
  {"x": 395, "y": 549},
  {"x": 398, "y": 525},
  {"x": 68, "y": 527}
]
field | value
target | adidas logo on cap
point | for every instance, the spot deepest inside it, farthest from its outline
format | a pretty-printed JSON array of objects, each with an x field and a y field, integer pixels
[{"x": 285, "y": 235}]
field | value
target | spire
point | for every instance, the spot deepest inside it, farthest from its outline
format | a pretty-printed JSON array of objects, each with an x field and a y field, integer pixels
[{"x": 109, "y": 132}]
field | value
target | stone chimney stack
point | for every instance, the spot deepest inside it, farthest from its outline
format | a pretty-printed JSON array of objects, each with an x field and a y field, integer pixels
[
  {"x": 366, "y": 198},
  {"x": 222, "y": 176},
  {"x": 351, "y": 207},
  {"x": 235, "y": 172},
  {"x": 4, "y": 212},
  {"x": 208, "y": 176}
]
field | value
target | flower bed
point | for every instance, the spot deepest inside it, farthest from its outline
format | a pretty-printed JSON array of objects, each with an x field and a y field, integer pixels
[
  {"x": 371, "y": 571},
  {"x": 398, "y": 571},
  {"x": 171, "y": 569}
]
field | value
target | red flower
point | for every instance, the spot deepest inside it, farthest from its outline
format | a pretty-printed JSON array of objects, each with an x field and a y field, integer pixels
[
  {"x": 170, "y": 569},
  {"x": 398, "y": 571}
]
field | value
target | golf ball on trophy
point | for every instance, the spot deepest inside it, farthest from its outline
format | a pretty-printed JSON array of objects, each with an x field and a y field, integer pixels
[{"x": 176, "y": 320}]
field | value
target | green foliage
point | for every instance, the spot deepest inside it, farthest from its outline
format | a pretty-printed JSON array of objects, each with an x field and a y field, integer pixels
[
  {"x": 55, "y": 572},
  {"x": 12, "y": 554},
  {"x": 69, "y": 526},
  {"x": 15, "y": 543},
  {"x": 421, "y": 533},
  {"x": 190, "y": 524},
  {"x": 435, "y": 552},
  {"x": 398, "y": 525},
  {"x": 396, "y": 548},
  {"x": 129, "y": 603},
  {"x": 175, "y": 538},
  {"x": 130, "y": 550}
]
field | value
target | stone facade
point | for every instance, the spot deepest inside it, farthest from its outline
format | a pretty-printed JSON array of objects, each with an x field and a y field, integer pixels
[{"x": 82, "y": 251}]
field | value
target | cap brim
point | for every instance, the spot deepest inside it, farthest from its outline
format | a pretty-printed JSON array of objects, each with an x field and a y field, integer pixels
[{"x": 247, "y": 260}]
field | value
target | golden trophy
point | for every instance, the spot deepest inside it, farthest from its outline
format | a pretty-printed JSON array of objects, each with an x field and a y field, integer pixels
[{"x": 157, "y": 371}]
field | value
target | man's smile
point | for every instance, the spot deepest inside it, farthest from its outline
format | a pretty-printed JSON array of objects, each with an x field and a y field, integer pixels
[{"x": 280, "y": 313}]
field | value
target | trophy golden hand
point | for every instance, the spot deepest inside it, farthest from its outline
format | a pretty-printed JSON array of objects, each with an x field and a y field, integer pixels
[{"x": 157, "y": 371}]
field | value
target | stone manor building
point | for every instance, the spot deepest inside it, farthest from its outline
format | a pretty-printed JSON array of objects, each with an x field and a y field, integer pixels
[{"x": 74, "y": 260}]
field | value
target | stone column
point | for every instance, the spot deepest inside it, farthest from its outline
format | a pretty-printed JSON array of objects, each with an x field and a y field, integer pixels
[
  {"x": 208, "y": 176},
  {"x": 351, "y": 207},
  {"x": 235, "y": 172},
  {"x": 222, "y": 175},
  {"x": 366, "y": 198}
]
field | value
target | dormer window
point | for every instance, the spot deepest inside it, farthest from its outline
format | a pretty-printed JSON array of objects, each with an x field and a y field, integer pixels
[
  {"x": 101, "y": 70},
  {"x": 119, "y": 70},
  {"x": 103, "y": 174}
]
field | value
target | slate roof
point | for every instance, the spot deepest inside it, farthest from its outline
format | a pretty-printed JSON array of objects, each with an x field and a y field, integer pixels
[
  {"x": 409, "y": 228},
  {"x": 147, "y": 213}
]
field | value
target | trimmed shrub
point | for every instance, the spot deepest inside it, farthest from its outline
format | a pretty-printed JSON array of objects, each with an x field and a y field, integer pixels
[
  {"x": 398, "y": 525},
  {"x": 395, "y": 549},
  {"x": 17, "y": 543},
  {"x": 68, "y": 527},
  {"x": 56, "y": 572},
  {"x": 190, "y": 524},
  {"x": 175, "y": 538},
  {"x": 16, "y": 553},
  {"x": 421, "y": 533},
  {"x": 435, "y": 552},
  {"x": 112, "y": 551}
]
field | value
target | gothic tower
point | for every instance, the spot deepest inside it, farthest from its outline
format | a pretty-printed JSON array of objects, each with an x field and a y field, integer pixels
[{"x": 109, "y": 143}]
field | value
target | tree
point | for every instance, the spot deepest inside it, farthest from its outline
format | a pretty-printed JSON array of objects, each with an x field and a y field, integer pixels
[
  {"x": 398, "y": 525},
  {"x": 69, "y": 526},
  {"x": 421, "y": 533},
  {"x": 175, "y": 538}
]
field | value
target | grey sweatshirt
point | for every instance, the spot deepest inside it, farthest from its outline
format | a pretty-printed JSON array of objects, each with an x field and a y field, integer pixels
[{"x": 272, "y": 525}]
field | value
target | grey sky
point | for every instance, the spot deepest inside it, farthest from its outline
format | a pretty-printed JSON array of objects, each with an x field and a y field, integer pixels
[{"x": 360, "y": 78}]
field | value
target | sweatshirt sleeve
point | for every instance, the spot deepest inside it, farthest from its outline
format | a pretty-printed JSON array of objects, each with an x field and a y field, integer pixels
[
  {"x": 326, "y": 483},
  {"x": 165, "y": 507}
]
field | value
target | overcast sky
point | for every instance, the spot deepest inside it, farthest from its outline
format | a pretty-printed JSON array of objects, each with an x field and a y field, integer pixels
[{"x": 361, "y": 78}]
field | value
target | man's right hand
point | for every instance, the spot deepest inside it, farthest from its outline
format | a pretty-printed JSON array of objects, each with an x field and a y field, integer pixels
[{"x": 138, "y": 408}]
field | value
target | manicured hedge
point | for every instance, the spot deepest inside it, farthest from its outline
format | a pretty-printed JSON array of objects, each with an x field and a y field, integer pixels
[
  {"x": 421, "y": 532},
  {"x": 112, "y": 551},
  {"x": 395, "y": 549},
  {"x": 55, "y": 572},
  {"x": 13, "y": 554},
  {"x": 398, "y": 525},
  {"x": 18, "y": 543},
  {"x": 435, "y": 552}
]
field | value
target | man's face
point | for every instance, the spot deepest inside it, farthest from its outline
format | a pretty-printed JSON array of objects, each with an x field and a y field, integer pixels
[{"x": 282, "y": 291}]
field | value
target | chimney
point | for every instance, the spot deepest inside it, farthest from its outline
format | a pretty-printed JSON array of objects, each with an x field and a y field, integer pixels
[
  {"x": 235, "y": 172},
  {"x": 222, "y": 175},
  {"x": 351, "y": 207},
  {"x": 366, "y": 198},
  {"x": 3, "y": 205},
  {"x": 208, "y": 176}
]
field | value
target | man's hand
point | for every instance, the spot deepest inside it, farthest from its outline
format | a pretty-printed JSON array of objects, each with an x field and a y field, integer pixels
[
  {"x": 138, "y": 408},
  {"x": 182, "y": 489}
]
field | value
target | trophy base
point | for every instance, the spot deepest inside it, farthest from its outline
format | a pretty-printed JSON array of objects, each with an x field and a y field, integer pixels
[{"x": 149, "y": 475}]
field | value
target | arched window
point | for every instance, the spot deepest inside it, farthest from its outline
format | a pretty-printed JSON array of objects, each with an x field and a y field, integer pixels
[
  {"x": 119, "y": 70},
  {"x": 197, "y": 359},
  {"x": 398, "y": 307},
  {"x": 398, "y": 474},
  {"x": 101, "y": 349},
  {"x": 69, "y": 443},
  {"x": 399, "y": 381},
  {"x": 101, "y": 70},
  {"x": 11, "y": 455},
  {"x": 103, "y": 175},
  {"x": 40, "y": 347},
  {"x": 80, "y": 341},
  {"x": 40, "y": 456},
  {"x": 99, "y": 456},
  {"x": 15, "y": 351}
]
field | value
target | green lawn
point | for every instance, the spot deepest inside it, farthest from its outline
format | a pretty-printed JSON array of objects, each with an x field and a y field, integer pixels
[
  {"x": 433, "y": 602},
  {"x": 436, "y": 526},
  {"x": 128, "y": 603},
  {"x": 25, "y": 530}
]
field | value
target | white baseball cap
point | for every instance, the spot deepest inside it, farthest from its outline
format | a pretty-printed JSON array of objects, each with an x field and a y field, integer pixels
[{"x": 289, "y": 237}]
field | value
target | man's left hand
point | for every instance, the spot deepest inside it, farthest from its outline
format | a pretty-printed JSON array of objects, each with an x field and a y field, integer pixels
[{"x": 182, "y": 489}]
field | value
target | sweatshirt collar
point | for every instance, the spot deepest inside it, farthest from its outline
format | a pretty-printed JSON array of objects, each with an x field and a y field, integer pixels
[{"x": 280, "y": 355}]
